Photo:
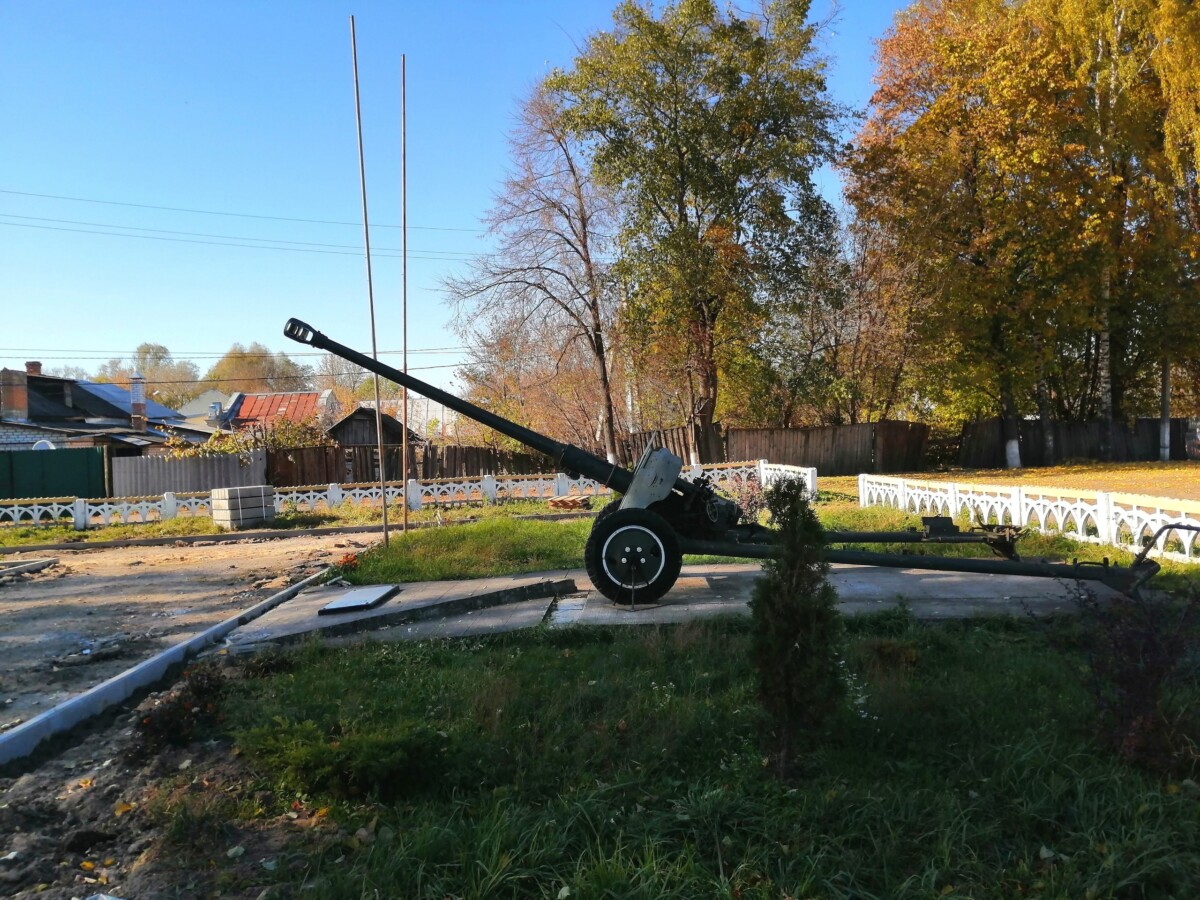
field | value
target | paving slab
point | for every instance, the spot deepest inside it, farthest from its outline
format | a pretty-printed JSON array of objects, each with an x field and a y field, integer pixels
[
  {"x": 708, "y": 590},
  {"x": 565, "y": 598},
  {"x": 411, "y": 603}
]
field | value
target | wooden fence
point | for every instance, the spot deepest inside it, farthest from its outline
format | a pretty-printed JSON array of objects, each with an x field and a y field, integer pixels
[
  {"x": 835, "y": 449},
  {"x": 360, "y": 465},
  {"x": 708, "y": 443},
  {"x": 982, "y": 445}
]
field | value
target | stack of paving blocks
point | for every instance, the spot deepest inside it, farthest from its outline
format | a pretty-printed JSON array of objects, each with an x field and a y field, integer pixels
[{"x": 243, "y": 507}]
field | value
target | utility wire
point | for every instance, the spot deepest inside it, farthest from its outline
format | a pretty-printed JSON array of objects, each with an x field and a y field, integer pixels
[
  {"x": 228, "y": 237},
  {"x": 204, "y": 354},
  {"x": 152, "y": 237},
  {"x": 210, "y": 212}
]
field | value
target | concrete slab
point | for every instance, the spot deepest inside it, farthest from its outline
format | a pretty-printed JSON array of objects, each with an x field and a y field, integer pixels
[
  {"x": 709, "y": 590},
  {"x": 21, "y": 567},
  {"x": 564, "y": 598},
  {"x": 413, "y": 603}
]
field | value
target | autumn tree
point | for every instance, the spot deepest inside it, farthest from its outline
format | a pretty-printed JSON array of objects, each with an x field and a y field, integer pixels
[
  {"x": 168, "y": 381},
  {"x": 549, "y": 274},
  {"x": 1018, "y": 150},
  {"x": 255, "y": 369},
  {"x": 343, "y": 378},
  {"x": 708, "y": 125}
]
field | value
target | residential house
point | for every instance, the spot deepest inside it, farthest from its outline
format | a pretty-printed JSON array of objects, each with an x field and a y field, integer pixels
[
  {"x": 70, "y": 413},
  {"x": 260, "y": 410}
]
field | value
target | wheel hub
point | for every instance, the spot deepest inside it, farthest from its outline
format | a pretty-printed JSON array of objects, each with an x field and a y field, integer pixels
[{"x": 633, "y": 557}]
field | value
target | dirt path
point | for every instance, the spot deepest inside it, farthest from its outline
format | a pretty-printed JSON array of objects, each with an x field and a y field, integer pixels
[{"x": 98, "y": 612}]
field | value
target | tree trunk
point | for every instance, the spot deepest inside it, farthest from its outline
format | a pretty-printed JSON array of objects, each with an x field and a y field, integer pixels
[
  {"x": 1010, "y": 426},
  {"x": 1046, "y": 414},
  {"x": 1104, "y": 367},
  {"x": 1164, "y": 421}
]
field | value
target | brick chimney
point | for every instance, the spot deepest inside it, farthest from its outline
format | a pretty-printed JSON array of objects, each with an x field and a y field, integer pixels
[
  {"x": 14, "y": 395},
  {"x": 33, "y": 368},
  {"x": 137, "y": 391}
]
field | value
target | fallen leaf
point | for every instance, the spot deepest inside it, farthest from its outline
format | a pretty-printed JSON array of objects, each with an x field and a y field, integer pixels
[
  {"x": 121, "y": 808},
  {"x": 87, "y": 865},
  {"x": 235, "y": 852}
]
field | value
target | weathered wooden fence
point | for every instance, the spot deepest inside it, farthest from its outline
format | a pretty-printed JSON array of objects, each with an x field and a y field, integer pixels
[
  {"x": 360, "y": 464},
  {"x": 982, "y": 444},
  {"x": 681, "y": 440},
  {"x": 144, "y": 476},
  {"x": 453, "y": 461},
  {"x": 886, "y": 446}
]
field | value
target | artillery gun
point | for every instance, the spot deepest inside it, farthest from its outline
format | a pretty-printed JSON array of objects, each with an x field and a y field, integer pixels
[{"x": 637, "y": 543}]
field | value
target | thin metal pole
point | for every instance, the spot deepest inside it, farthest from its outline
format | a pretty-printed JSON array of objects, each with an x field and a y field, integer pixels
[
  {"x": 362, "y": 181},
  {"x": 404, "y": 251}
]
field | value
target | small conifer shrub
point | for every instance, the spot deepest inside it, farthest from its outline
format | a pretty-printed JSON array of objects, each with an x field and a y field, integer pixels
[{"x": 797, "y": 628}]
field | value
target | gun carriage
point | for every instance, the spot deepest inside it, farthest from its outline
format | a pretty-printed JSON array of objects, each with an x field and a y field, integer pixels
[{"x": 637, "y": 543}]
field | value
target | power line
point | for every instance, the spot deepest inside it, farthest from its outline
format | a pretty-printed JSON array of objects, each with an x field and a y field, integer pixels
[
  {"x": 152, "y": 237},
  {"x": 204, "y": 354},
  {"x": 307, "y": 377},
  {"x": 230, "y": 237},
  {"x": 210, "y": 212}
]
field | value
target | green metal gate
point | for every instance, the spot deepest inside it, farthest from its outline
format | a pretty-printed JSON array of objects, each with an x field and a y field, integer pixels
[{"x": 52, "y": 473}]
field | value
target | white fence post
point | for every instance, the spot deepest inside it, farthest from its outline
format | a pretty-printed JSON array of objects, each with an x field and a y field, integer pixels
[
  {"x": 761, "y": 467},
  {"x": 412, "y": 494},
  {"x": 170, "y": 509},
  {"x": 1018, "y": 507},
  {"x": 562, "y": 485},
  {"x": 1106, "y": 526},
  {"x": 334, "y": 496},
  {"x": 81, "y": 516},
  {"x": 490, "y": 492},
  {"x": 862, "y": 491}
]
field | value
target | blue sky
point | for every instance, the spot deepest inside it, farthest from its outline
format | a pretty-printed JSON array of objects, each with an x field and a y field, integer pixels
[{"x": 141, "y": 140}]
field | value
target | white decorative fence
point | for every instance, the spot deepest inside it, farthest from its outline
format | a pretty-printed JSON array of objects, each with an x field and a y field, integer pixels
[
  {"x": 1126, "y": 521},
  {"x": 82, "y": 513}
]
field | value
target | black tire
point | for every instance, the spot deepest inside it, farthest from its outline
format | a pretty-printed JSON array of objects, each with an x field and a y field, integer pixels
[
  {"x": 607, "y": 510},
  {"x": 632, "y": 556}
]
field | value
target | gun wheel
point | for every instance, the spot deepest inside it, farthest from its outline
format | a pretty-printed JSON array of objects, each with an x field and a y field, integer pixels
[{"x": 632, "y": 556}]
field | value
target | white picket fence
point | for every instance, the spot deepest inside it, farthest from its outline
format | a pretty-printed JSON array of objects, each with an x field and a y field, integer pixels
[
  {"x": 84, "y": 513},
  {"x": 1126, "y": 521}
]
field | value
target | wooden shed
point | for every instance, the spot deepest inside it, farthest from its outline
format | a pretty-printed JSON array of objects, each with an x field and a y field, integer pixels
[{"x": 358, "y": 430}]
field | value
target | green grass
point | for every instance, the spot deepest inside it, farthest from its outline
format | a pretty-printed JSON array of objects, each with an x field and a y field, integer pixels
[
  {"x": 628, "y": 763},
  {"x": 495, "y": 546},
  {"x": 29, "y": 535},
  {"x": 348, "y": 513},
  {"x": 345, "y": 514}
]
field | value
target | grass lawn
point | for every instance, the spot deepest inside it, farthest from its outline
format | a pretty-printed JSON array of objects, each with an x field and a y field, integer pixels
[
  {"x": 630, "y": 763},
  {"x": 345, "y": 514},
  {"x": 1177, "y": 480},
  {"x": 30, "y": 535}
]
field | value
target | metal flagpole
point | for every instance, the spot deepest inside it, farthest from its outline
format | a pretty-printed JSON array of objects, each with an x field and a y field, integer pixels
[
  {"x": 362, "y": 180},
  {"x": 404, "y": 256}
]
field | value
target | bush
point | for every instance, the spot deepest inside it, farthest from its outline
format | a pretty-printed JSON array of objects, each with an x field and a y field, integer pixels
[
  {"x": 797, "y": 628},
  {"x": 1141, "y": 655}
]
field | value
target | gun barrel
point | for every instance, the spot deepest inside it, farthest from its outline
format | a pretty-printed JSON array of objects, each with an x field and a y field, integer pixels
[{"x": 568, "y": 456}]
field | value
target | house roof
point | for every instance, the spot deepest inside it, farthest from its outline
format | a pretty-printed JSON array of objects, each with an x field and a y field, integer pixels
[
  {"x": 200, "y": 406},
  {"x": 120, "y": 399},
  {"x": 298, "y": 406}
]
